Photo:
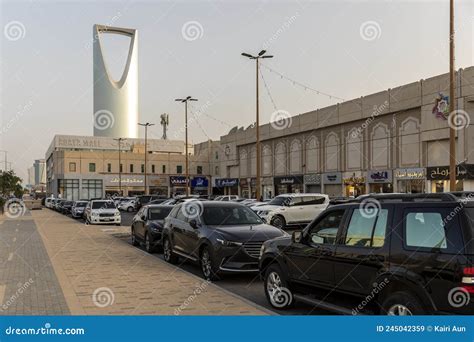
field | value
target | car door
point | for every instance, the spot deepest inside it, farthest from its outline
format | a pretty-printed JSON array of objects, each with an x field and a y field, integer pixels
[
  {"x": 178, "y": 227},
  {"x": 315, "y": 205},
  {"x": 295, "y": 209},
  {"x": 311, "y": 260},
  {"x": 364, "y": 249},
  {"x": 140, "y": 223}
]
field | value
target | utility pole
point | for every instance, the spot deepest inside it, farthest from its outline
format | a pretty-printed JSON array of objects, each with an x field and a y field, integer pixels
[
  {"x": 452, "y": 99},
  {"x": 185, "y": 101},
  {"x": 261, "y": 54},
  {"x": 146, "y": 125},
  {"x": 120, "y": 162},
  {"x": 164, "y": 122}
]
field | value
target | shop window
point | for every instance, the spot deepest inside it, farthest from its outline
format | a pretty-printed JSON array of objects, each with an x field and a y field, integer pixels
[
  {"x": 91, "y": 167},
  {"x": 72, "y": 167},
  {"x": 179, "y": 169},
  {"x": 131, "y": 168},
  {"x": 69, "y": 188},
  {"x": 109, "y": 167},
  {"x": 91, "y": 188},
  {"x": 199, "y": 170}
]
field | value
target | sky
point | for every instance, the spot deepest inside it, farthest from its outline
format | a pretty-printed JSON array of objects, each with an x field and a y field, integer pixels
[{"x": 346, "y": 49}]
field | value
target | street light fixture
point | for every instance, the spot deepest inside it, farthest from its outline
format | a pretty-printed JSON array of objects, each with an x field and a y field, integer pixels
[
  {"x": 260, "y": 55},
  {"x": 6, "y": 162},
  {"x": 146, "y": 125},
  {"x": 120, "y": 162},
  {"x": 185, "y": 101}
]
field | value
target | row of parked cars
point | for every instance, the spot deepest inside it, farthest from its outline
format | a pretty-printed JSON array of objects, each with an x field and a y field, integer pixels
[{"x": 397, "y": 254}]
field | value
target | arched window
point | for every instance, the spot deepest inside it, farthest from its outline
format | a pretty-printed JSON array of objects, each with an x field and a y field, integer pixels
[
  {"x": 267, "y": 160},
  {"x": 354, "y": 151},
  {"x": 253, "y": 161},
  {"x": 312, "y": 154},
  {"x": 409, "y": 142},
  {"x": 280, "y": 159},
  {"x": 332, "y": 152},
  {"x": 295, "y": 157},
  {"x": 380, "y": 151},
  {"x": 243, "y": 163}
]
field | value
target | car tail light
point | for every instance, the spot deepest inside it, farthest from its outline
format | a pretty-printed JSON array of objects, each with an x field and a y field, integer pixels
[{"x": 468, "y": 279}]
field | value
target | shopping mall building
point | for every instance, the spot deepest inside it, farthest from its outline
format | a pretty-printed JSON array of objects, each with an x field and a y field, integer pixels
[{"x": 396, "y": 140}]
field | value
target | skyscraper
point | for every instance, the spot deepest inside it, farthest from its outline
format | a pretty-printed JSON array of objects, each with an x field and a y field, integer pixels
[{"x": 115, "y": 102}]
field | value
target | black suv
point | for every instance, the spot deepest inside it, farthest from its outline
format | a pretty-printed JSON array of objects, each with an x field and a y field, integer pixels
[
  {"x": 220, "y": 236},
  {"x": 388, "y": 254}
]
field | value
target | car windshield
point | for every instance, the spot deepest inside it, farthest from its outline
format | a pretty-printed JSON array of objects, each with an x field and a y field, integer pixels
[
  {"x": 68, "y": 203},
  {"x": 159, "y": 213},
  {"x": 279, "y": 200},
  {"x": 229, "y": 216},
  {"x": 103, "y": 205},
  {"x": 81, "y": 204}
]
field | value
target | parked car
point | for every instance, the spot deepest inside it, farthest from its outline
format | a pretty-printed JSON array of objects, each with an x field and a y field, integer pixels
[
  {"x": 77, "y": 210},
  {"x": 127, "y": 205},
  {"x": 102, "y": 211},
  {"x": 219, "y": 236},
  {"x": 58, "y": 204},
  {"x": 292, "y": 209},
  {"x": 147, "y": 226},
  {"x": 157, "y": 201},
  {"x": 66, "y": 207},
  {"x": 144, "y": 199},
  {"x": 410, "y": 254},
  {"x": 48, "y": 201},
  {"x": 226, "y": 198}
]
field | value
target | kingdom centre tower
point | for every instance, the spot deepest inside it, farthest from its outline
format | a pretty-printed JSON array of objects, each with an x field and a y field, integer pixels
[{"x": 115, "y": 102}]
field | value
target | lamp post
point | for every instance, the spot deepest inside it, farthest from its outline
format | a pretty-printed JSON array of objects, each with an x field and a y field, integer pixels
[
  {"x": 146, "y": 125},
  {"x": 185, "y": 101},
  {"x": 452, "y": 99},
  {"x": 257, "y": 58},
  {"x": 6, "y": 162},
  {"x": 120, "y": 162}
]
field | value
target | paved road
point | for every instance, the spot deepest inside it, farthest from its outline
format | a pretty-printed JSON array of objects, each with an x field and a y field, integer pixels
[{"x": 248, "y": 286}]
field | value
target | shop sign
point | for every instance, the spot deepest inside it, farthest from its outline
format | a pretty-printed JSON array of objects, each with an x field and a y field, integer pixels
[
  {"x": 384, "y": 176},
  {"x": 178, "y": 180},
  {"x": 354, "y": 180},
  {"x": 288, "y": 180},
  {"x": 158, "y": 181},
  {"x": 224, "y": 182},
  {"x": 126, "y": 180},
  {"x": 199, "y": 182},
  {"x": 243, "y": 182},
  {"x": 442, "y": 172},
  {"x": 410, "y": 173},
  {"x": 332, "y": 178},
  {"x": 314, "y": 178}
]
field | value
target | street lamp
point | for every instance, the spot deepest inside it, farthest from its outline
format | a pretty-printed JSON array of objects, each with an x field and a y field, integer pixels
[
  {"x": 146, "y": 125},
  {"x": 120, "y": 163},
  {"x": 260, "y": 55},
  {"x": 185, "y": 101},
  {"x": 6, "y": 162}
]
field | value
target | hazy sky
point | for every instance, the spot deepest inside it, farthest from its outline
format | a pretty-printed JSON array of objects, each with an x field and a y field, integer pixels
[{"x": 347, "y": 49}]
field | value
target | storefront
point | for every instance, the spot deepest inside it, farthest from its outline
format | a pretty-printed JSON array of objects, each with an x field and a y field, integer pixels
[
  {"x": 130, "y": 185},
  {"x": 312, "y": 183},
  {"x": 354, "y": 184},
  {"x": 410, "y": 180},
  {"x": 230, "y": 186},
  {"x": 380, "y": 181},
  {"x": 199, "y": 185},
  {"x": 244, "y": 187},
  {"x": 288, "y": 185},
  {"x": 158, "y": 185},
  {"x": 332, "y": 184},
  {"x": 438, "y": 177},
  {"x": 267, "y": 188},
  {"x": 178, "y": 185}
]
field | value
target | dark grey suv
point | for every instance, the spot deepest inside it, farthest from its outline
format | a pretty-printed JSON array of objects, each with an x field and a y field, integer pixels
[{"x": 219, "y": 236}]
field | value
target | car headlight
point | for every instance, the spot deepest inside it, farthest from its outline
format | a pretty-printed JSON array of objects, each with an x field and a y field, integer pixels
[
  {"x": 229, "y": 243},
  {"x": 117, "y": 213},
  {"x": 261, "y": 250},
  {"x": 94, "y": 214}
]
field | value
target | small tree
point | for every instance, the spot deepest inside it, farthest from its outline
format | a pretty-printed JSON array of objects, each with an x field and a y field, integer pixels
[{"x": 10, "y": 184}]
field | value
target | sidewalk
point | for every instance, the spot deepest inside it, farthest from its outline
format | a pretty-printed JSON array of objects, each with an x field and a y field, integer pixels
[{"x": 101, "y": 275}]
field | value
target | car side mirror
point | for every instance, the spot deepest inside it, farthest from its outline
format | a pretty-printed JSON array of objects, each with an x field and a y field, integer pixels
[
  {"x": 193, "y": 223},
  {"x": 296, "y": 236}
]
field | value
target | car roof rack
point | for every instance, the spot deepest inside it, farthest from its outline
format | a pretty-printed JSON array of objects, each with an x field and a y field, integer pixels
[{"x": 442, "y": 197}]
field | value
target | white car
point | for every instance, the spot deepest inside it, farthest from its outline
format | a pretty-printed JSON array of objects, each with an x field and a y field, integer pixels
[
  {"x": 48, "y": 202},
  {"x": 102, "y": 211},
  {"x": 226, "y": 198},
  {"x": 292, "y": 209},
  {"x": 127, "y": 205}
]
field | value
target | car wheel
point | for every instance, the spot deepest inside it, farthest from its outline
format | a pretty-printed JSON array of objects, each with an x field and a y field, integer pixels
[
  {"x": 168, "y": 254},
  {"x": 276, "y": 288},
  {"x": 279, "y": 222},
  {"x": 208, "y": 268},
  {"x": 129, "y": 209},
  {"x": 402, "y": 304},
  {"x": 148, "y": 244},
  {"x": 87, "y": 220},
  {"x": 134, "y": 238}
]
